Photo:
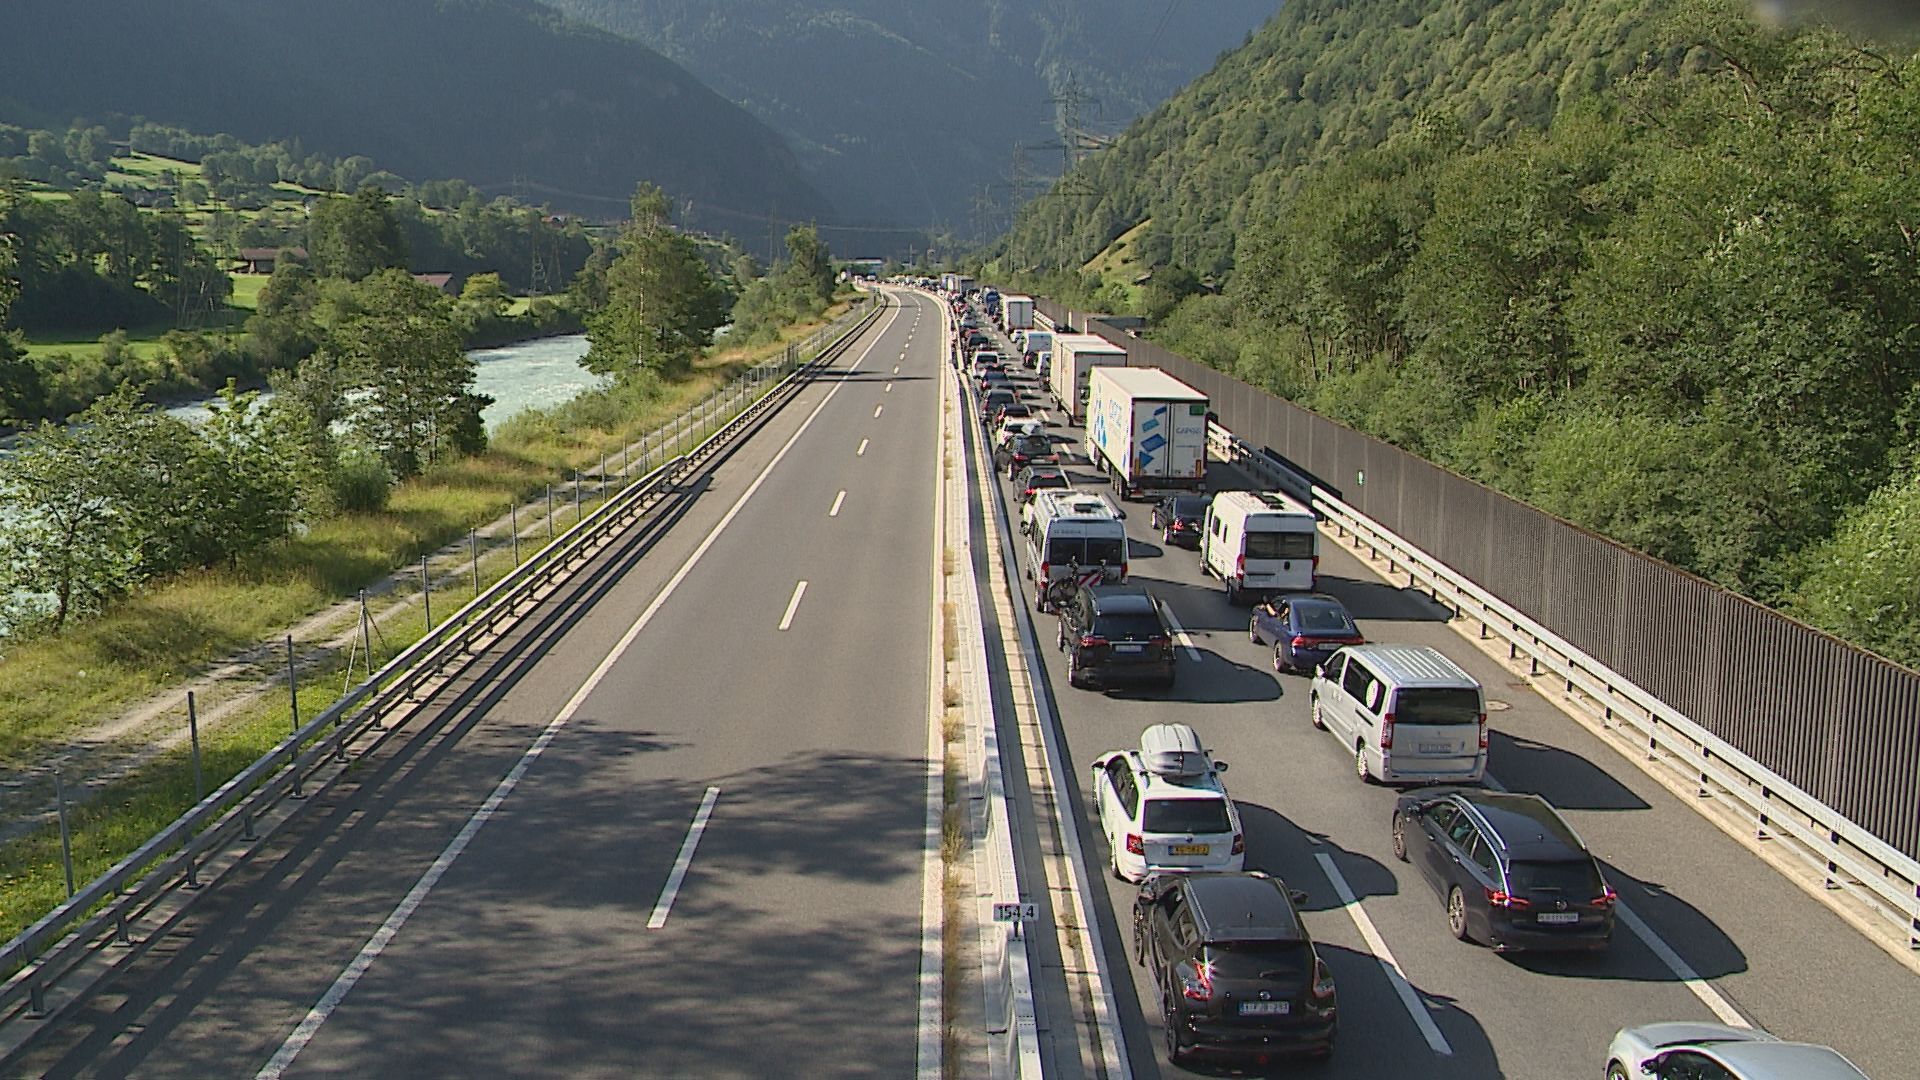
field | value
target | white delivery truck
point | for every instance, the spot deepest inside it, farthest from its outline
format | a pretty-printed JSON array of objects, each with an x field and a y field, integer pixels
[
  {"x": 1146, "y": 429},
  {"x": 1016, "y": 313},
  {"x": 1074, "y": 358},
  {"x": 1259, "y": 543}
]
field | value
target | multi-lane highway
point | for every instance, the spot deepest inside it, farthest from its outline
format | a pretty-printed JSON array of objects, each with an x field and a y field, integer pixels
[
  {"x": 1758, "y": 950},
  {"x": 675, "y": 828},
  {"x": 677, "y": 824}
]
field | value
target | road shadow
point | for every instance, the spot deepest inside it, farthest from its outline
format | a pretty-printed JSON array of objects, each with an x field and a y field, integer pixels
[
  {"x": 1376, "y": 600},
  {"x": 1696, "y": 938},
  {"x": 1281, "y": 847},
  {"x": 1201, "y": 609},
  {"x": 1563, "y": 778}
]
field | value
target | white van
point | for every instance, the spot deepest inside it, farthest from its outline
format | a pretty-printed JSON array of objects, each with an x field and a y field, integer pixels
[
  {"x": 1409, "y": 714},
  {"x": 1073, "y": 534},
  {"x": 1259, "y": 543}
]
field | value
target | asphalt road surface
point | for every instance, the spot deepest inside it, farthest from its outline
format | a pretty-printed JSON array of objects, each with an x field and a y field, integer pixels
[
  {"x": 675, "y": 828},
  {"x": 1762, "y": 949}
]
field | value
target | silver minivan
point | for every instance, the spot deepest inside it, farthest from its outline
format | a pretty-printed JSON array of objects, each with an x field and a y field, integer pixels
[{"x": 1409, "y": 714}]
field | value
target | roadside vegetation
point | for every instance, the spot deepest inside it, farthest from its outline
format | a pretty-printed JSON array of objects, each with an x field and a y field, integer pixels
[
  {"x": 204, "y": 541},
  {"x": 1670, "y": 297}
]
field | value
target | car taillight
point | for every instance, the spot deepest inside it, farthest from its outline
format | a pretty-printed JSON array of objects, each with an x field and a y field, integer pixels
[
  {"x": 1123, "y": 571},
  {"x": 1386, "y": 732},
  {"x": 1196, "y": 981},
  {"x": 1483, "y": 731},
  {"x": 1240, "y": 566},
  {"x": 1045, "y": 571},
  {"x": 1161, "y": 641},
  {"x": 1606, "y": 898},
  {"x": 1135, "y": 845},
  {"x": 1088, "y": 641},
  {"x": 1302, "y": 641},
  {"x": 1507, "y": 900},
  {"x": 1239, "y": 844},
  {"x": 1322, "y": 981}
]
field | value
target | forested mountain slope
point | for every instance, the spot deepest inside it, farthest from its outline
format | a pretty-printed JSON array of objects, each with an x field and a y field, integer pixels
[
  {"x": 914, "y": 110},
  {"x": 1323, "y": 79},
  {"x": 498, "y": 92},
  {"x": 1652, "y": 267}
]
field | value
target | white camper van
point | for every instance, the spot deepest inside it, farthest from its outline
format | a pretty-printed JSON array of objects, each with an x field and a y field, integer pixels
[
  {"x": 1074, "y": 534},
  {"x": 1259, "y": 543}
]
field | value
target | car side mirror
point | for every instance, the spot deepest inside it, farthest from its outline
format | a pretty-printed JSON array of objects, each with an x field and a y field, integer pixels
[
  {"x": 1219, "y": 766},
  {"x": 1320, "y": 671},
  {"x": 1299, "y": 896},
  {"x": 1651, "y": 1066}
]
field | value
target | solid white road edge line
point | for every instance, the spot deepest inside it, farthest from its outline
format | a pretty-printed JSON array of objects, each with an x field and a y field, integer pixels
[
  {"x": 1378, "y": 946},
  {"x": 1180, "y": 633},
  {"x": 309, "y": 1025},
  {"x": 685, "y": 859},
  {"x": 837, "y": 500},
  {"x": 931, "y": 1063},
  {"x": 1715, "y": 1001},
  {"x": 793, "y": 605}
]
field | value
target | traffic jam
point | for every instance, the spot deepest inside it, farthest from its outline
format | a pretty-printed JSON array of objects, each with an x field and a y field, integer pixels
[{"x": 1084, "y": 443}]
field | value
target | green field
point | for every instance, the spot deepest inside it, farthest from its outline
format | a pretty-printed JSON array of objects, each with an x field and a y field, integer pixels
[{"x": 143, "y": 343}]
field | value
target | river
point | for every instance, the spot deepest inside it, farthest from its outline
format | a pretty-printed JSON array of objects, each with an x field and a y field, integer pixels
[{"x": 531, "y": 375}]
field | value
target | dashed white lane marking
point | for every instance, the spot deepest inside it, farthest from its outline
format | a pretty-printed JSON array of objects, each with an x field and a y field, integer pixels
[
  {"x": 889, "y": 388},
  {"x": 793, "y": 605},
  {"x": 1378, "y": 946},
  {"x": 896, "y": 369},
  {"x": 329, "y": 1002},
  {"x": 837, "y": 500},
  {"x": 1180, "y": 634},
  {"x": 876, "y": 411},
  {"x": 659, "y": 917},
  {"x": 1715, "y": 1001},
  {"x": 862, "y": 452}
]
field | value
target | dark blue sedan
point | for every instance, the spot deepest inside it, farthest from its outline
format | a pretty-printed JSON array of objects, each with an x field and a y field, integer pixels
[{"x": 1304, "y": 630}]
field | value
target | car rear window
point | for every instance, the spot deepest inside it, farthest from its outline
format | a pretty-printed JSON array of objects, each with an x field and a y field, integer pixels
[
  {"x": 1574, "y": 879},
  {"x": 1200, "y": 816},
  {"x": 1190, "y": 506},
  {"x": 1323, "y": 620},
  {"x": 1437, "y": 706},
  {"x": 1279, "y": 545},
  {"x": 1139, "y": 627},
  {"x": 1258, "y": 959},
  {"x": 1111, "y": 550}
]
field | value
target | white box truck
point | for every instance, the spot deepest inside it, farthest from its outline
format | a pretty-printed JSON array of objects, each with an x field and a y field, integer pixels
[
  {"x": 1074, "y": 358},
  {"x": 1016, "y": 312},
  {"x": 1146, "y": 429}
]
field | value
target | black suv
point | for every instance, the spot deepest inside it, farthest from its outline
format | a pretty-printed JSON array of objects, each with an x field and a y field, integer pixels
[
  {"x": 1510, "y": 869},
  {"x": 1236, "y": 970},
  {"x": 1116, "y": 633}
]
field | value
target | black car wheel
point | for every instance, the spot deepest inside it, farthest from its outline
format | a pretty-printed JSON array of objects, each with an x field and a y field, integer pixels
[
  {"x": 1616, "y": 1071},
  {"x": 1170, "y": 1020},
  {"x": 1279, "y": 663},
  {"x": 1253, "y": 634},
  {"x": 1319, "y": 722},
  {"x": 1400, "y": 838},
  {"x": 1139, "y": 939},
  {"x": 1457, "y": 913},
  {"x": 1360, "y": 763}
]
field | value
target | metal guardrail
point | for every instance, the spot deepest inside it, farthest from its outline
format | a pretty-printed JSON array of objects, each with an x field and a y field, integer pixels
[
  {"x": 1847, "y": 856},
  {"x": 105, "y": 909}
]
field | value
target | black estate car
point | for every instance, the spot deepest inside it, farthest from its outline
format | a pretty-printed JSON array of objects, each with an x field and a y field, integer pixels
[
  {"x": 1509, "y": 868},
  {"x": 1237, "y": 972}
]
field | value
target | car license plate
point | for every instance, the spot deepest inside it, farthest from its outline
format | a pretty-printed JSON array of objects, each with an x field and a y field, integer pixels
[
  {"x": 1189, "y": 849},
  {"x": 1558, "y": 918},
  {"x": 1127, "y": 648},
  {"x": 1436, "y": 748},
  {"x": 1265, "y": 1008}
]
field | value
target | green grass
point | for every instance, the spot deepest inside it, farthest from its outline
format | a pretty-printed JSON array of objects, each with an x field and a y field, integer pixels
[
  {"x": 143, "y": 343},
  {"x": 246, "y": 291}
]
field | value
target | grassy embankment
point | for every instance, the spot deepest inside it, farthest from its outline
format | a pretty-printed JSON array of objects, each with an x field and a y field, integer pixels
[{"x": 55, "y": 688}]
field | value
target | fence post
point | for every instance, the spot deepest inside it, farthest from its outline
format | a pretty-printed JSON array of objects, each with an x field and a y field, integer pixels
[
  {"x": 293, "y": 701},
  {"x": 576, "y": 496},
  {"x": 193, "y": 735},
  {"x": 473, "y": 554},
  {"x": 426, "y": 593},
  {"x": 366, "y": 634},
  {"x": 66, "y": 838},
  {"x": 513, "y": 520}
]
